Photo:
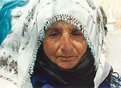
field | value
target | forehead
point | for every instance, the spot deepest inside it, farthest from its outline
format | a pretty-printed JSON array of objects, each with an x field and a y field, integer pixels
[{"x": 62, "y": 25}]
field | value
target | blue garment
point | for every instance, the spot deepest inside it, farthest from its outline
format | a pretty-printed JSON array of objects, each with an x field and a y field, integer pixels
[
  {"x": 5, "y": 16},
  {"x": 41, "y": 82},
  {"x": 115, "y": 82},
  {"x": 104, "y": 84}
]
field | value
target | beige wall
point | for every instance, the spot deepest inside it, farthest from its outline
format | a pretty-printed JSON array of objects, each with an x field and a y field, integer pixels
[{"x": 116, "y": 10}]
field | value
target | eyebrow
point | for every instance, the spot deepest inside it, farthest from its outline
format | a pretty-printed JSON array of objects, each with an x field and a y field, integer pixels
[{"x": 50, "y": 29}]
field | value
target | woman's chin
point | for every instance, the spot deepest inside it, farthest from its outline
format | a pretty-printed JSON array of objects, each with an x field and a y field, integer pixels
[{"x": 66, "y": 65}]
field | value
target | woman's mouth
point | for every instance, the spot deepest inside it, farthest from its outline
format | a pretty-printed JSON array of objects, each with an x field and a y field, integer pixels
[{"x": 66, "y": 58}]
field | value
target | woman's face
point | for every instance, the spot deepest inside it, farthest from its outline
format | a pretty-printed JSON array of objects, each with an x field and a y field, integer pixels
[{"x": 64, "y": 44}]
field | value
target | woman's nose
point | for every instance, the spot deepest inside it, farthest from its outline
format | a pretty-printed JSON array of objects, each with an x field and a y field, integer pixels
[{"x": 66, "y": 43}]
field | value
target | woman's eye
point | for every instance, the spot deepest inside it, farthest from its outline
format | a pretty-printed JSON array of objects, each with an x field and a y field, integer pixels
[
  {"x": 76, "y": 32},
  {"x": 54, "y": 33}
]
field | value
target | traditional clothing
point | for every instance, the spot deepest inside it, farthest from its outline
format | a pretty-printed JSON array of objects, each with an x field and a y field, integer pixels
[{"x": 19, "y": 50}]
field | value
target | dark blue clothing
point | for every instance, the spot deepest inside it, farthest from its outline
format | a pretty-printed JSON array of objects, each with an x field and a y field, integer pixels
[
  {"x": 114, "y": 81},
  {"x": 104, "y": 84},
  {"x": 40, "y": 82},
  {"x": 5, "y": 16}
]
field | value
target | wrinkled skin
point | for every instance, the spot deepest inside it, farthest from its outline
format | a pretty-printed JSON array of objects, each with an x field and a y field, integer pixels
[{"x": 64, "y": 44}]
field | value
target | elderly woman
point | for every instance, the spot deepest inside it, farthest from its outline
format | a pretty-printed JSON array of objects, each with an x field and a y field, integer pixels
[{"x": 57, "y": 43}]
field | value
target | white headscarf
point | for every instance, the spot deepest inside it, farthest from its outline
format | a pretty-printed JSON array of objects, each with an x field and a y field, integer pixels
[{"x": 20, "y": 47}]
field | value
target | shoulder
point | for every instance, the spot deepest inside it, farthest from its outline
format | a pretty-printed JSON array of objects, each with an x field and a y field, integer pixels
[
  {"x": 115, "y": 80},
  {"x": 112, "y": 81}
]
